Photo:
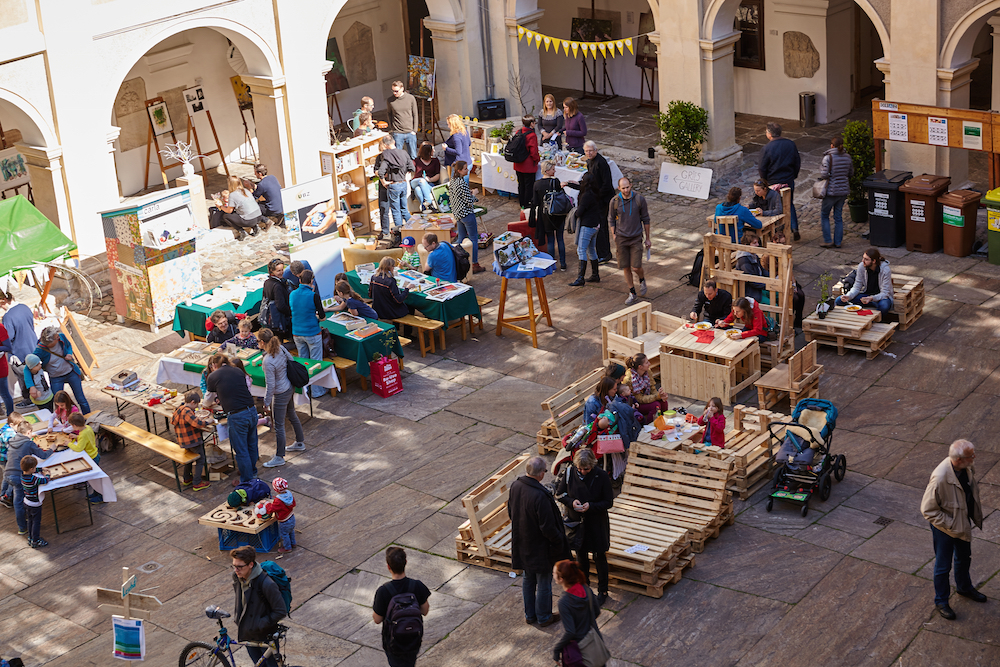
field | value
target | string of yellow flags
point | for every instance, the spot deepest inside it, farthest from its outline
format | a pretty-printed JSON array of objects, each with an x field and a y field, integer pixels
[{"x": 590, "y": 49}]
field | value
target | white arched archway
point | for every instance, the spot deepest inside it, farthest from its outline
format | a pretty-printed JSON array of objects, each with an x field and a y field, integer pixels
[
  {"x": 957, "y": 47},
  {"x": 35, "y": 130}
]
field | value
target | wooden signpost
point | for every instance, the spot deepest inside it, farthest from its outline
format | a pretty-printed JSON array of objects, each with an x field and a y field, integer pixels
[
  {"x": 85, "y": 356},
  {"x": 123, "y": 602}
]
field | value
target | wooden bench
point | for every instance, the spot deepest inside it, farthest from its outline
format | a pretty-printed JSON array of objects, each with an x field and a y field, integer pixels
[
  {"x": 797, "y": 379},
  {"x": 636, "y": 329},
  {"x": 482, "y": 301},
  {"x": 485, "y": 539},
  {"x": 566, "y": 408},
  {"x": 342, "y": 365},
  {"x": 424, "y": 325},
  {"x": 177, "y": 454}
]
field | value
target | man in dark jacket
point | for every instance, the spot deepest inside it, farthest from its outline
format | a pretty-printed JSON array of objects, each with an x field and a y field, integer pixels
[
  {"x": 394, "y": 168},
  {"x": 717, "y": 303},
  {"x": 779, "y": 163},
  {"x": 600, "y": 171},
  {"x": 259, "y": 605},
  {"x": 538, "y": 541}
]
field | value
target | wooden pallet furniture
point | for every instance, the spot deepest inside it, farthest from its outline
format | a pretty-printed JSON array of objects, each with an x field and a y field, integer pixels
[
  {"x": 776, "y": 259},
  {"x": 771, "y": 226},
  {"x": 908, "y": 298},
  {"x": 424, "y": 326},
  {"x": 566, "y": 408},
  {"x": 795, "y": 379},
  {"x": 636, "y": 329},
  {"x": 176, "y": 454},
  {"x": 723, "y": 367},
  {"x": 749, "y": 447},
  {"x": 342, "y": 365},
  {"x": 846, "y": 330},
  {"x": 485, "y": 538}
]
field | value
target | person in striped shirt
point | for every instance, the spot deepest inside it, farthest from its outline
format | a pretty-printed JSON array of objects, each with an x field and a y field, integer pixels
[{"x": 30, "y": 481}]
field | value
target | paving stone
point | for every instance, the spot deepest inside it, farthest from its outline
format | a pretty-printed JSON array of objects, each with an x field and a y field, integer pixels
[
  {"x": 933, "y": 649},
  {"x": 890, "y": 499},
  {"x": 509, "y": 402},
  {"x": 896, "y": 413},
  {"x": 868, "y": 454},
  {"x": 162, "y": 649},
  {"x": 477, "y": 377},
  {"x": 724, "y": 563},
  {"x": 364, "y": 657},
  {"x": 446, "y": 613},
  {"x": 985, "y": 561},
  {"x": 687, "y": 609},
  {"x": 519, "y": 443},
  {"x": 423, "y": 396},
  {"x": 358, "y": 586},
  {"x": 783, "y": 519},
  {"x": 916, "y": 467},
  {"x": 940, "y": 368},
  {"x": 480, "y": 584},
  {"x": 855, "y": 364},
  {"x": 465, "y": 465},
  {"x": 873, "y": 633},
  {"x": 829, "y": 538},
  {"x": 967, "y": 289},
  {"x": 841, "y": 389},
  {"x": 852, "y": 521},
  {"x": 499, "y": 354},
  {"x": 433, "y": 570},
  {"x": 333, "y": 616},
  {"x": 990, "y": 385},
  {"x": 430, "y": 531},
  {"x": 898, "y": 546},
  {"x": 936, "y": 312},
  {"x": 970, "y": 326},
  {"x": 486, "y": 433},
  {"x": 991, "y": 526},
  {"x": 446, "y": 369},
  {"x": 976, "y": 622},
  {"x": 448, "y": 421},
  {"x": 309, "y": 648},
  {"x": 37, "y": 635},
  {"x": 975, "y": 419}
]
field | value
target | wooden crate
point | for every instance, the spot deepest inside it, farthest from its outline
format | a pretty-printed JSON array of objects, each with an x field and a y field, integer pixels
[
  {"x": 548, "y": 438},
  {"x": 566, "y": 405},
  {"x": 871, "y": 341},
  {"x": 636, "y": 329},
  {"x": 907, "y": 300},
  {"x": 797, "y": 379}
]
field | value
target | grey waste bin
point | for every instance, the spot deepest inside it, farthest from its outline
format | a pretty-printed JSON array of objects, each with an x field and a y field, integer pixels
[{"x": 807, "y": 109}]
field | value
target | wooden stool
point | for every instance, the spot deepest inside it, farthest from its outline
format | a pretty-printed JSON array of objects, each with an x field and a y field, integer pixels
[
  {"x": 422, "y": 325},
  {"x": 797, "y": 379},
  {"x": 342, "y": 365},
  {"x": 482, "y": 301}
]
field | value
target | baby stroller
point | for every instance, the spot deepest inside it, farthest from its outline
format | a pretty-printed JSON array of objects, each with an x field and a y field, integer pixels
[{"x": 804, "y": 462}]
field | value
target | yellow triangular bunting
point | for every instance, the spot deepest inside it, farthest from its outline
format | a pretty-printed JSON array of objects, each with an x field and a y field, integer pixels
[
  {"x": 628, "y": 43},
  {"x": 538, "y": 40},
  {"x": 576, "y": 47},
  {"x": 604, "y": 49},
  {"x": 547, "y": 43},
  {"x": 593, "y": 50},
  {"x": 621, "y": 46},
  {"x": 520, "y": 33},
  {"x": 565, "y": 46}
]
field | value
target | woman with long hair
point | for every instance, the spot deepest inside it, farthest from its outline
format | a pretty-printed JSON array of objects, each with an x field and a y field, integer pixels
[
  {"x": 278, "y": 396},
  {"x": 427, "y": 174},
  {"x": 241, "y": 211},
  {"x": 650, "y": 399},
  {"x": 575, "y": 126},
  {"x": 456, "y": 147},
  {"x": 588, "y": 216},
  {"x": 550, "y": 122},
  {"x": 578, "y": 608},
  {"x": 603, "y": 394}
]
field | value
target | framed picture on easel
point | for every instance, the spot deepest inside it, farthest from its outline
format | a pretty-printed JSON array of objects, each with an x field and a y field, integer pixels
[{"x": 159, "y": 117}]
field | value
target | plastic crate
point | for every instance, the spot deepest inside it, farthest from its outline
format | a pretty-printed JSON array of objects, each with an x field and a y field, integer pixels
[{"x": 262, "y": 542}]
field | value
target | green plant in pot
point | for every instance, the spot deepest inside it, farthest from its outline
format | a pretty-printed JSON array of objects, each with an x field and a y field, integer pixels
[
  {"x": 683, "y": 128},
  {"x": 860, "y": 145},
  {"x": 825, "y": 294},
  {"x": 504, "y": 132}
]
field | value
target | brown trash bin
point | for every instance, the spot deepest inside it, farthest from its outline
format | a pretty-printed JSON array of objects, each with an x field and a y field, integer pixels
[
  {"x": 959, "y": 210},
  {"x": 923, "y": 212}
]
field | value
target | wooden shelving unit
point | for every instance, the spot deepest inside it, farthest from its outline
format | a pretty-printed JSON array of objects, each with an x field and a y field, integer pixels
[{"x": 352, "y": 166}]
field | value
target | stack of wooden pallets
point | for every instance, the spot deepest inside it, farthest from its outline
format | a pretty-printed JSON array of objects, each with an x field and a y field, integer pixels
[
  {"x": 749, "y": 448},
  {"x": 566, "y": 408},
  {"x": 907, "y": 299},
  {"x": 845, "y": 330}
]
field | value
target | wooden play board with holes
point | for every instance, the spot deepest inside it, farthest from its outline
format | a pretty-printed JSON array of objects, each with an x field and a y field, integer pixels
[
  {"x": 66, "y": 468},
  {"x": 241, "y": 520},
  {"x": 53, "y": 441}
]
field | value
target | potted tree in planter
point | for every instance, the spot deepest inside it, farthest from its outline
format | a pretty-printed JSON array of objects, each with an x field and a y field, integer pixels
[
  {"x": 825, "y": 301},
  {"x": 860, "y": 146},
  {"x": 683, "y": 128}
]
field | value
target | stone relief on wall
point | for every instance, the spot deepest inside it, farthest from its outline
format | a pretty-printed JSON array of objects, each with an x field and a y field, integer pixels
[
  {"x": 130, "y": 114},
  {"x": 359, "y": 52},
  {"x": 801, "y": 57}
]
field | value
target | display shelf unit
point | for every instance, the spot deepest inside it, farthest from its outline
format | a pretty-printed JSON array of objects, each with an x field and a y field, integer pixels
[{"x": 351, "y": 164}]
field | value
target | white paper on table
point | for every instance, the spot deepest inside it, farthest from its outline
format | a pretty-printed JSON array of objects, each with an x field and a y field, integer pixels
[{"x": 535, "y": 264}]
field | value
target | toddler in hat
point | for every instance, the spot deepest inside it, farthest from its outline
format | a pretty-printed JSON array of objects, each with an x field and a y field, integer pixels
[
  {"x": 410, "y": 259},
  {"x": 282, "y": 507}
]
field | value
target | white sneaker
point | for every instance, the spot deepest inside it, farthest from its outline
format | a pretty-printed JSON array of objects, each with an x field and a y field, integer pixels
[
  {"x": 632, "y": 298},
  {"x": 296, "y": 447},
  {"x": 642, "y": 288},
  {"x": 275, "y": 462}
]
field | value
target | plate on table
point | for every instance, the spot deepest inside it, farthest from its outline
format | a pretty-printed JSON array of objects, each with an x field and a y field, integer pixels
[
  {"x": 203, "y": 414},
  {"x": 853, "y": 308},
  {"x": 703, "y": 326}
]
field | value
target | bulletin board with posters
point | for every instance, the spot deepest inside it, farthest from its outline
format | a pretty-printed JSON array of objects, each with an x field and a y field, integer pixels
[{"x": 310, "y": 210}]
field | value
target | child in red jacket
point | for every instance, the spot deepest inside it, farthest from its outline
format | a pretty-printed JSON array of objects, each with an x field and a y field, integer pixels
[
  {"x": 747, "y": 311},
  {"x": 282, "y": 507},
  {"x": 715, "y": 433}
]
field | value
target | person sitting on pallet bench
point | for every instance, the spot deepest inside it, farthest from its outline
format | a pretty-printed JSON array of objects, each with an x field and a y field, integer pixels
[
  {"x": 747, "y": 311},
  {"x": 872, "y": 283},
  {"x": 716, "y": 302}
]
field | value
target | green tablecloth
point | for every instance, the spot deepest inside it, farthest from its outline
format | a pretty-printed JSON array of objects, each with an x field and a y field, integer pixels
[
  {"x": 362, "y": 351},
  {"x": 443, "y": 311},
  {"x": 192, "y": 318},
  {"x": 256, "y": 371}
]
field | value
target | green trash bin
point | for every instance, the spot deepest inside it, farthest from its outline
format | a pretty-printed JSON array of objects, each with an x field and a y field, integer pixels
[{"x": 992, "y": 202}]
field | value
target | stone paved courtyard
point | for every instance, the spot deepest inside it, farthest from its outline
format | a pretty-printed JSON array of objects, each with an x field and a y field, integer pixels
[{"x": 834, "y": 588}]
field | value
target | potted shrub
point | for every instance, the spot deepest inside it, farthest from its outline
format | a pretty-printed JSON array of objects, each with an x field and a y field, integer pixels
[
  {"x": 501, "y": 135},
  {"x": 825, "y": 301},
  {"x": 860, "y": 146},
  {"x": 683, "y": 128}
]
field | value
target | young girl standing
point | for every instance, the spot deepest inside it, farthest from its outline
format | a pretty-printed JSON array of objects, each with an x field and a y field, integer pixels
[{"x": 715, "y": 433}]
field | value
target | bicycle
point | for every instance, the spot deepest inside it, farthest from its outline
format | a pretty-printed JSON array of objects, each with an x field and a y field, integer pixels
[{"x": 200, "y": 654}]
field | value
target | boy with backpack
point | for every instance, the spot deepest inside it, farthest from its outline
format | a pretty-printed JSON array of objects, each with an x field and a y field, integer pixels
[{"x": 399, "y": 608}]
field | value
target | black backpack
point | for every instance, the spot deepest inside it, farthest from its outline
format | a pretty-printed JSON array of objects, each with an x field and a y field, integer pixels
[
  {"x": 694, "y": 278},
  {"x": 516, "y": 149},
  {"x": 556, "y": 202},
  {"x": 297, "y": 373},
  {"x": 406, "y": 623},
  {"x": 463, "y": 263}
]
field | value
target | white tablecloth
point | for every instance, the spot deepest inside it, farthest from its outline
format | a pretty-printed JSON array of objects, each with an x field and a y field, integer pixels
[
  {"x": 498, "y": 174},
  {"x": 97, "y": 478},
  {"x": 172, "y": 370},
  {"x": 573, "y": 176}
]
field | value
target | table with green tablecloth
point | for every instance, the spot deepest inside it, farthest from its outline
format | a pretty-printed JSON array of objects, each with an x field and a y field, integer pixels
[
  {"x": 362, "y": 352},
  {"x": 191, "y": 318},
  {"x": 455, "y": 308}
]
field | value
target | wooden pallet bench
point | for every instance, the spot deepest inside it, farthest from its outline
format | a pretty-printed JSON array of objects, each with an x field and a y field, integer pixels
[
  {"x": 424, "y": 326},
  {"x": 176, "y": 454},
  {"x": 845, "y": 330},
  {"x": 636, "y": 329},
  {"x": 872, "y": 341},
  {"x": 566, "y": 405},
  {"x": 908, "y": 299},
  {"x": 485, "y": 538},
  {"x": 797, "y": 379}
]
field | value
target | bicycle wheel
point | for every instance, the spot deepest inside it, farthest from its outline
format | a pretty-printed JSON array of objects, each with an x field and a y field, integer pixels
[{"x": 200, "y": 654}]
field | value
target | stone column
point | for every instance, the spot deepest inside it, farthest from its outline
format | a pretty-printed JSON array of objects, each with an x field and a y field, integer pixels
[
  {"x": 453, "y": 83},
  {"x": 525, "y": 59},
  {"x": 717, "y": 95},
  {"x": 47, "y": 186},
  {"x": 953, "y": 92},
  {"x": 995, "y": 22},
  {"x": 273, "y": 148}
]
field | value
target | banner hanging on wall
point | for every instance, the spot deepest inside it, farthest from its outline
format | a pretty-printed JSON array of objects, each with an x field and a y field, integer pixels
[{"x": 614, "y": 47}]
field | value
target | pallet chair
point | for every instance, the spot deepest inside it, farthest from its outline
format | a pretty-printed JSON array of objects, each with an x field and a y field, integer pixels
[
  {"x": 798, "y": 378},
  {"x": 636, "y": 329}
]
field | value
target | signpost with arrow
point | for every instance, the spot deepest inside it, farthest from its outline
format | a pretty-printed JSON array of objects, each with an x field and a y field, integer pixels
[
  {"x": 678, "y": 179},
  {"x": 123, "y": 602}
]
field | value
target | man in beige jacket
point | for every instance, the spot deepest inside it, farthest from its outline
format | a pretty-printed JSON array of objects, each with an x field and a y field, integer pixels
[{"x": 951, "y": 505}]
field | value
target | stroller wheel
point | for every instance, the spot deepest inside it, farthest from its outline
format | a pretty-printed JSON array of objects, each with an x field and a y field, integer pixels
[
  {"x": 825, "y": 486},
  {"x": 770, "y": 504},
  {"x": 805, "y": 508},
  {"x": 840, "y": 467}
]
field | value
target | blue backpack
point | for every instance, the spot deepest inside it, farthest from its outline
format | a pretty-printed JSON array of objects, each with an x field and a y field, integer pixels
[{"x": 281, "y": 578}]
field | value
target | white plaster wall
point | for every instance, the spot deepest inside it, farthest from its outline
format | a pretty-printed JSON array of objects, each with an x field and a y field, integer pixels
[
  {"x": 839, "y": 64},
  {"x": 567, "y": 72},
  {"x": 27, "y": 79},
  {"x": 19, "y": 38},
  {"x": 208, "y": 60}
]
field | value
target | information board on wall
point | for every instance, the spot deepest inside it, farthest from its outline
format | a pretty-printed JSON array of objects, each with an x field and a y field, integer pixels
[{"x": 935, "y": 126}]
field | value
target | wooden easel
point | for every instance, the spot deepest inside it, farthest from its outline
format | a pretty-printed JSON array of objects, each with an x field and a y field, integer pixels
[
  {"x": 592, "y": 77},
  {"x": 151, "y": 141},
  {"x": 434, "y": 129},
  {"x": 646, "y": 84},
  {"x": 192, "y": 131}
]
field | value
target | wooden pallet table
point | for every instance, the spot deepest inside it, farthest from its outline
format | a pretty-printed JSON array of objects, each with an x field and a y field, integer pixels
[
  {"x": 797, "y": 379},
  {"x": 636, "y": 329},
  {"x": 846, "y": 330},
  {"x": 723, "y": 367},
  {"x": 908, "y": 299}
]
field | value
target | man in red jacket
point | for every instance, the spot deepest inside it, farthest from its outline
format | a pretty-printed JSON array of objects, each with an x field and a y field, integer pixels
[{"x": 526, "y": 170}]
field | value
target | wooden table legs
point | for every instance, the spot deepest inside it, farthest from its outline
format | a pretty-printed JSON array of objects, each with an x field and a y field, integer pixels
[{"x": 531, "y": 317}]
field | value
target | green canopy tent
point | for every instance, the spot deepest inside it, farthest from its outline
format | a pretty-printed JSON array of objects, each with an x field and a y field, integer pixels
[{"x": 28, "y": 238}]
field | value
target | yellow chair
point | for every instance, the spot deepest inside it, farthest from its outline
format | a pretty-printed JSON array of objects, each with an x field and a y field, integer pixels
[{"x": 354, "y": 255}]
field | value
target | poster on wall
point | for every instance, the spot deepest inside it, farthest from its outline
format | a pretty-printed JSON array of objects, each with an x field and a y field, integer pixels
[
  {"x": 420, "y": 77},
  {"x": 242, "y": 91},
  {"x": 310, "y": 210},
  {"x": 336, "y": 78},
  {"x": 194, "y": 98},
  {"x": 645, "y": 52},
  {"x": 937, "y": 131},
  {"x": 592, "y": 30},
  {"x": 159, "y": 117},
  {"x": 13, "y": 169}
]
